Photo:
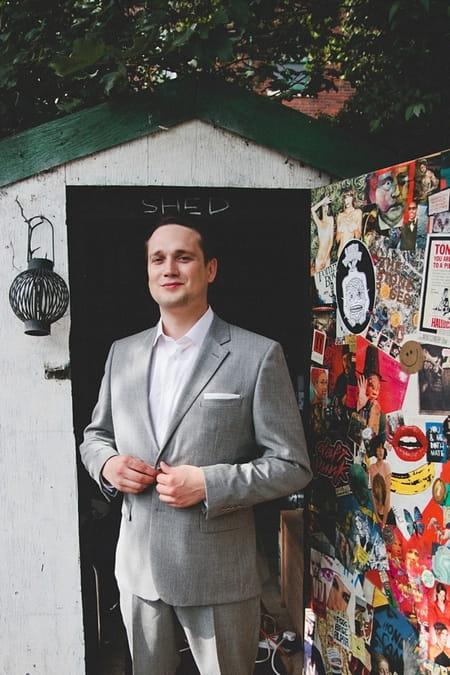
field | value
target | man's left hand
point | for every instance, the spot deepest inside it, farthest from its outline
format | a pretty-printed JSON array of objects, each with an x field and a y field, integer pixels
[{"x": 181, "y": 486}]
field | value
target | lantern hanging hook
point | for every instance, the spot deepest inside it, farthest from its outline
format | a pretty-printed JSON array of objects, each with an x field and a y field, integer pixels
[{"x": 32, "y": 224}]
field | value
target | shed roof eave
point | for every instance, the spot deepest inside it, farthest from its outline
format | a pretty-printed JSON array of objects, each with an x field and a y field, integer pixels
[{"x": 252, "y": 116}]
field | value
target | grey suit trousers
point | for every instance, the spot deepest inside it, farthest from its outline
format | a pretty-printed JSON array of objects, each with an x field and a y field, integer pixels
[{"x": 223, "y": 639}]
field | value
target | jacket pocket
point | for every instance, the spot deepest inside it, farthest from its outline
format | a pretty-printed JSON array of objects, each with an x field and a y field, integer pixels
[{"x": 220, "y": 402}]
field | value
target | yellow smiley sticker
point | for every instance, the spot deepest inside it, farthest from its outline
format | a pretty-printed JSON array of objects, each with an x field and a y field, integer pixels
[
  {"x": 411, "y": 357},
  {"x": 385, "y": 291},
  {"x": 395, "y": 319}
]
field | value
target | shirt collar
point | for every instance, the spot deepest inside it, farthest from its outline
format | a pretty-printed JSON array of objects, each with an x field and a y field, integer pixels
[{"x": 195, "y": 334}]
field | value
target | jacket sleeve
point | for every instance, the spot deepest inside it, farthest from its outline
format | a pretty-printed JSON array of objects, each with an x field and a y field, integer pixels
[
  {"x": 283, "y": 465},
  {"x": 99, "y": 442}
]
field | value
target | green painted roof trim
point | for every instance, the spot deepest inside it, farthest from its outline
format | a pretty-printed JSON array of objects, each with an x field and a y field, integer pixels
[{"x": 254, "y": 117}]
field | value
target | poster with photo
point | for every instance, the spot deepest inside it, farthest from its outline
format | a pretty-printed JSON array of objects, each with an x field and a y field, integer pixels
[
  {"x": 434, "y": 380},
  {"x": 435, "y": 305}
]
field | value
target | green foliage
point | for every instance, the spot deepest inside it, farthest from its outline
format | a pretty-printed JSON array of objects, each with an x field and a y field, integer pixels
[
  {"x": 394, "y": 53},
  {"x": 57, "y": 56}
]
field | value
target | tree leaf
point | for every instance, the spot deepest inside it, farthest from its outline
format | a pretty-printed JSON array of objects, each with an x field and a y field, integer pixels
[
  {"x": 85, "y": 54},
  {"x": 415, "y": 110},
  {"x": 112, "y": 79}
]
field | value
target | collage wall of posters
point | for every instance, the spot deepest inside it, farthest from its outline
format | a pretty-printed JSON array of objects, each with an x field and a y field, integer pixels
[{"x": 378, "y": 515}]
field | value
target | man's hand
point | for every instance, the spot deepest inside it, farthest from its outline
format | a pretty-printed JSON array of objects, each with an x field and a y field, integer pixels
[
  {"x": 362, "y": 396},
  {"x": 181, "y": 486},
  {"x": 129, "y": 474}
]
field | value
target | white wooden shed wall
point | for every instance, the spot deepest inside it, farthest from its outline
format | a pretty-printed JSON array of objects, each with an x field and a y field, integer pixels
[{"x": 41, "y": 628}]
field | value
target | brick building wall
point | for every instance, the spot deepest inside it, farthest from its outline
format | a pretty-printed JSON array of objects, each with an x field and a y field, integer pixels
[{"x": 325, "y": 103}]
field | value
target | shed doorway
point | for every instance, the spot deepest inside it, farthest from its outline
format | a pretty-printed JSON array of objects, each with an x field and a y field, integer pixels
[{"x": 262, "y": 284}]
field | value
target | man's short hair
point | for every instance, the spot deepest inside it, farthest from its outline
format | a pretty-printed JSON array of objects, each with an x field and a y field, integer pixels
[{"x": 207, "y": 240}]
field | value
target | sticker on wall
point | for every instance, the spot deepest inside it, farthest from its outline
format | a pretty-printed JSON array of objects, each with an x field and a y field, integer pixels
[
  {"x": 410, "y": 443},
  {"x": 437, "y": 442},
  {"x": 322, "y": 233},
  {"x": 426, "y": 178},
  {"x": 399, "y": 279},
  {"x": 391, "y": 196},
  {"x": 355, "y": 286},
  {"x": 439, "y": 202},
  {"x": 435, "y": 302},
  {"x": 382, "y": 385},
  {"x": 324, "y": 285},
  {"x": 411, "y": 357},
  {"x": 434, "y": 380},
  {"x": 318, "y": 345},
  {"x": 319, "y": 399}
]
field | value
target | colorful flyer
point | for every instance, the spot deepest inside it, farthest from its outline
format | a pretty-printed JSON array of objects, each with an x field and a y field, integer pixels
[{"x": 435, "y": 303}]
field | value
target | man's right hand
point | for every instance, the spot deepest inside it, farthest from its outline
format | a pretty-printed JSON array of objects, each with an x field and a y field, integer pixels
[{"x": 129, "y": 474}]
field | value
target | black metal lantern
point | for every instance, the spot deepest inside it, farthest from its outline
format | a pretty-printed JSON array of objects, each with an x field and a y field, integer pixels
[{"x": 38, "y": 296}]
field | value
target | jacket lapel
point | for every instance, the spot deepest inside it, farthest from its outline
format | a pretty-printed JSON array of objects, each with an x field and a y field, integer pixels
[{"x": 141, "y": 360}]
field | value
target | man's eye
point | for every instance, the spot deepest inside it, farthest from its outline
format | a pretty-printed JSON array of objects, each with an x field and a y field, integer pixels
[
  {"x": 184, "y": 258},
  {"x": 155, "y": 261}
]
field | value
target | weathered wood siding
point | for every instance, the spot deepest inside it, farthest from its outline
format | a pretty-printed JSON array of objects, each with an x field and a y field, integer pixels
[
  {"x": 40, "y": 616},
  {"x": 194, "y": 154},
  {"x": 40, "y": 604}
]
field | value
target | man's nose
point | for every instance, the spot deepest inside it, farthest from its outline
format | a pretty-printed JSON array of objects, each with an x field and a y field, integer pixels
[
  {"x": 395, "y": 192},
  {"x": 170, "y": 266}
]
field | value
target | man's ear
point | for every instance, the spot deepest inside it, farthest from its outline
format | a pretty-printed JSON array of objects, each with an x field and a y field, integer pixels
[{"x": 212, "y": 269}]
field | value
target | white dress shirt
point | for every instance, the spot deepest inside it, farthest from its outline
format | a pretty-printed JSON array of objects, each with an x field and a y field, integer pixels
[{"x": 172, "y": 363}]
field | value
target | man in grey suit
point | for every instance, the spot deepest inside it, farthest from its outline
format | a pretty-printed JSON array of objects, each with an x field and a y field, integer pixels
[{"x": 196, "y": 423}]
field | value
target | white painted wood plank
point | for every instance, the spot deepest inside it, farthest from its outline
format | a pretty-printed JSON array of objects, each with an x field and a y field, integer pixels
[
  {"x": 122, "y": 165},
  {"x": 195, "y": 154},
  {"x": 40, "y": 608}
]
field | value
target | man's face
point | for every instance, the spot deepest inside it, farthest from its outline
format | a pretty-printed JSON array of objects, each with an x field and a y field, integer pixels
[
  {"x": 339, "y": 596},
  {"x": 322, "y": 386},
  {"x": 391, "y": 195},
  {"x": 347, "y": 363},
  {"x": 412, "y": 211},
  {"x": 356, "y": 301},
  {"x": 373, "y": 387},
  {"x": 387, "y": 192},
  {"x": 178, "y": 276}
]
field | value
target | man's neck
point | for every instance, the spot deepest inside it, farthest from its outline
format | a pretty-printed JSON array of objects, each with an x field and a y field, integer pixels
[{"x": 178, "y": 323}]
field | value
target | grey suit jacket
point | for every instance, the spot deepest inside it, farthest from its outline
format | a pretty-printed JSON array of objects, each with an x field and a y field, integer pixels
[{"x": 251, "y": 448}]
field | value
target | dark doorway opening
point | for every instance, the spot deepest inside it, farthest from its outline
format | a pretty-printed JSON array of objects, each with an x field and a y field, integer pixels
[{"x": 262, "y": 285}]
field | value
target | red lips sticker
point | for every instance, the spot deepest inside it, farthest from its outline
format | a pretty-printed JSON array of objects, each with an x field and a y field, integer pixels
[{"x": 410, "y": 443}]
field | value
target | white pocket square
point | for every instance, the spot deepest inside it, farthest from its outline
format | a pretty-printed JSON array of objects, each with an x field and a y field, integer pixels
[{"x": 220, "y": 396}]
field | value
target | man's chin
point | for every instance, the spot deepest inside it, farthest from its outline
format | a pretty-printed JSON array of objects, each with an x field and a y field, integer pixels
[{"x": 173, "y": 302}]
